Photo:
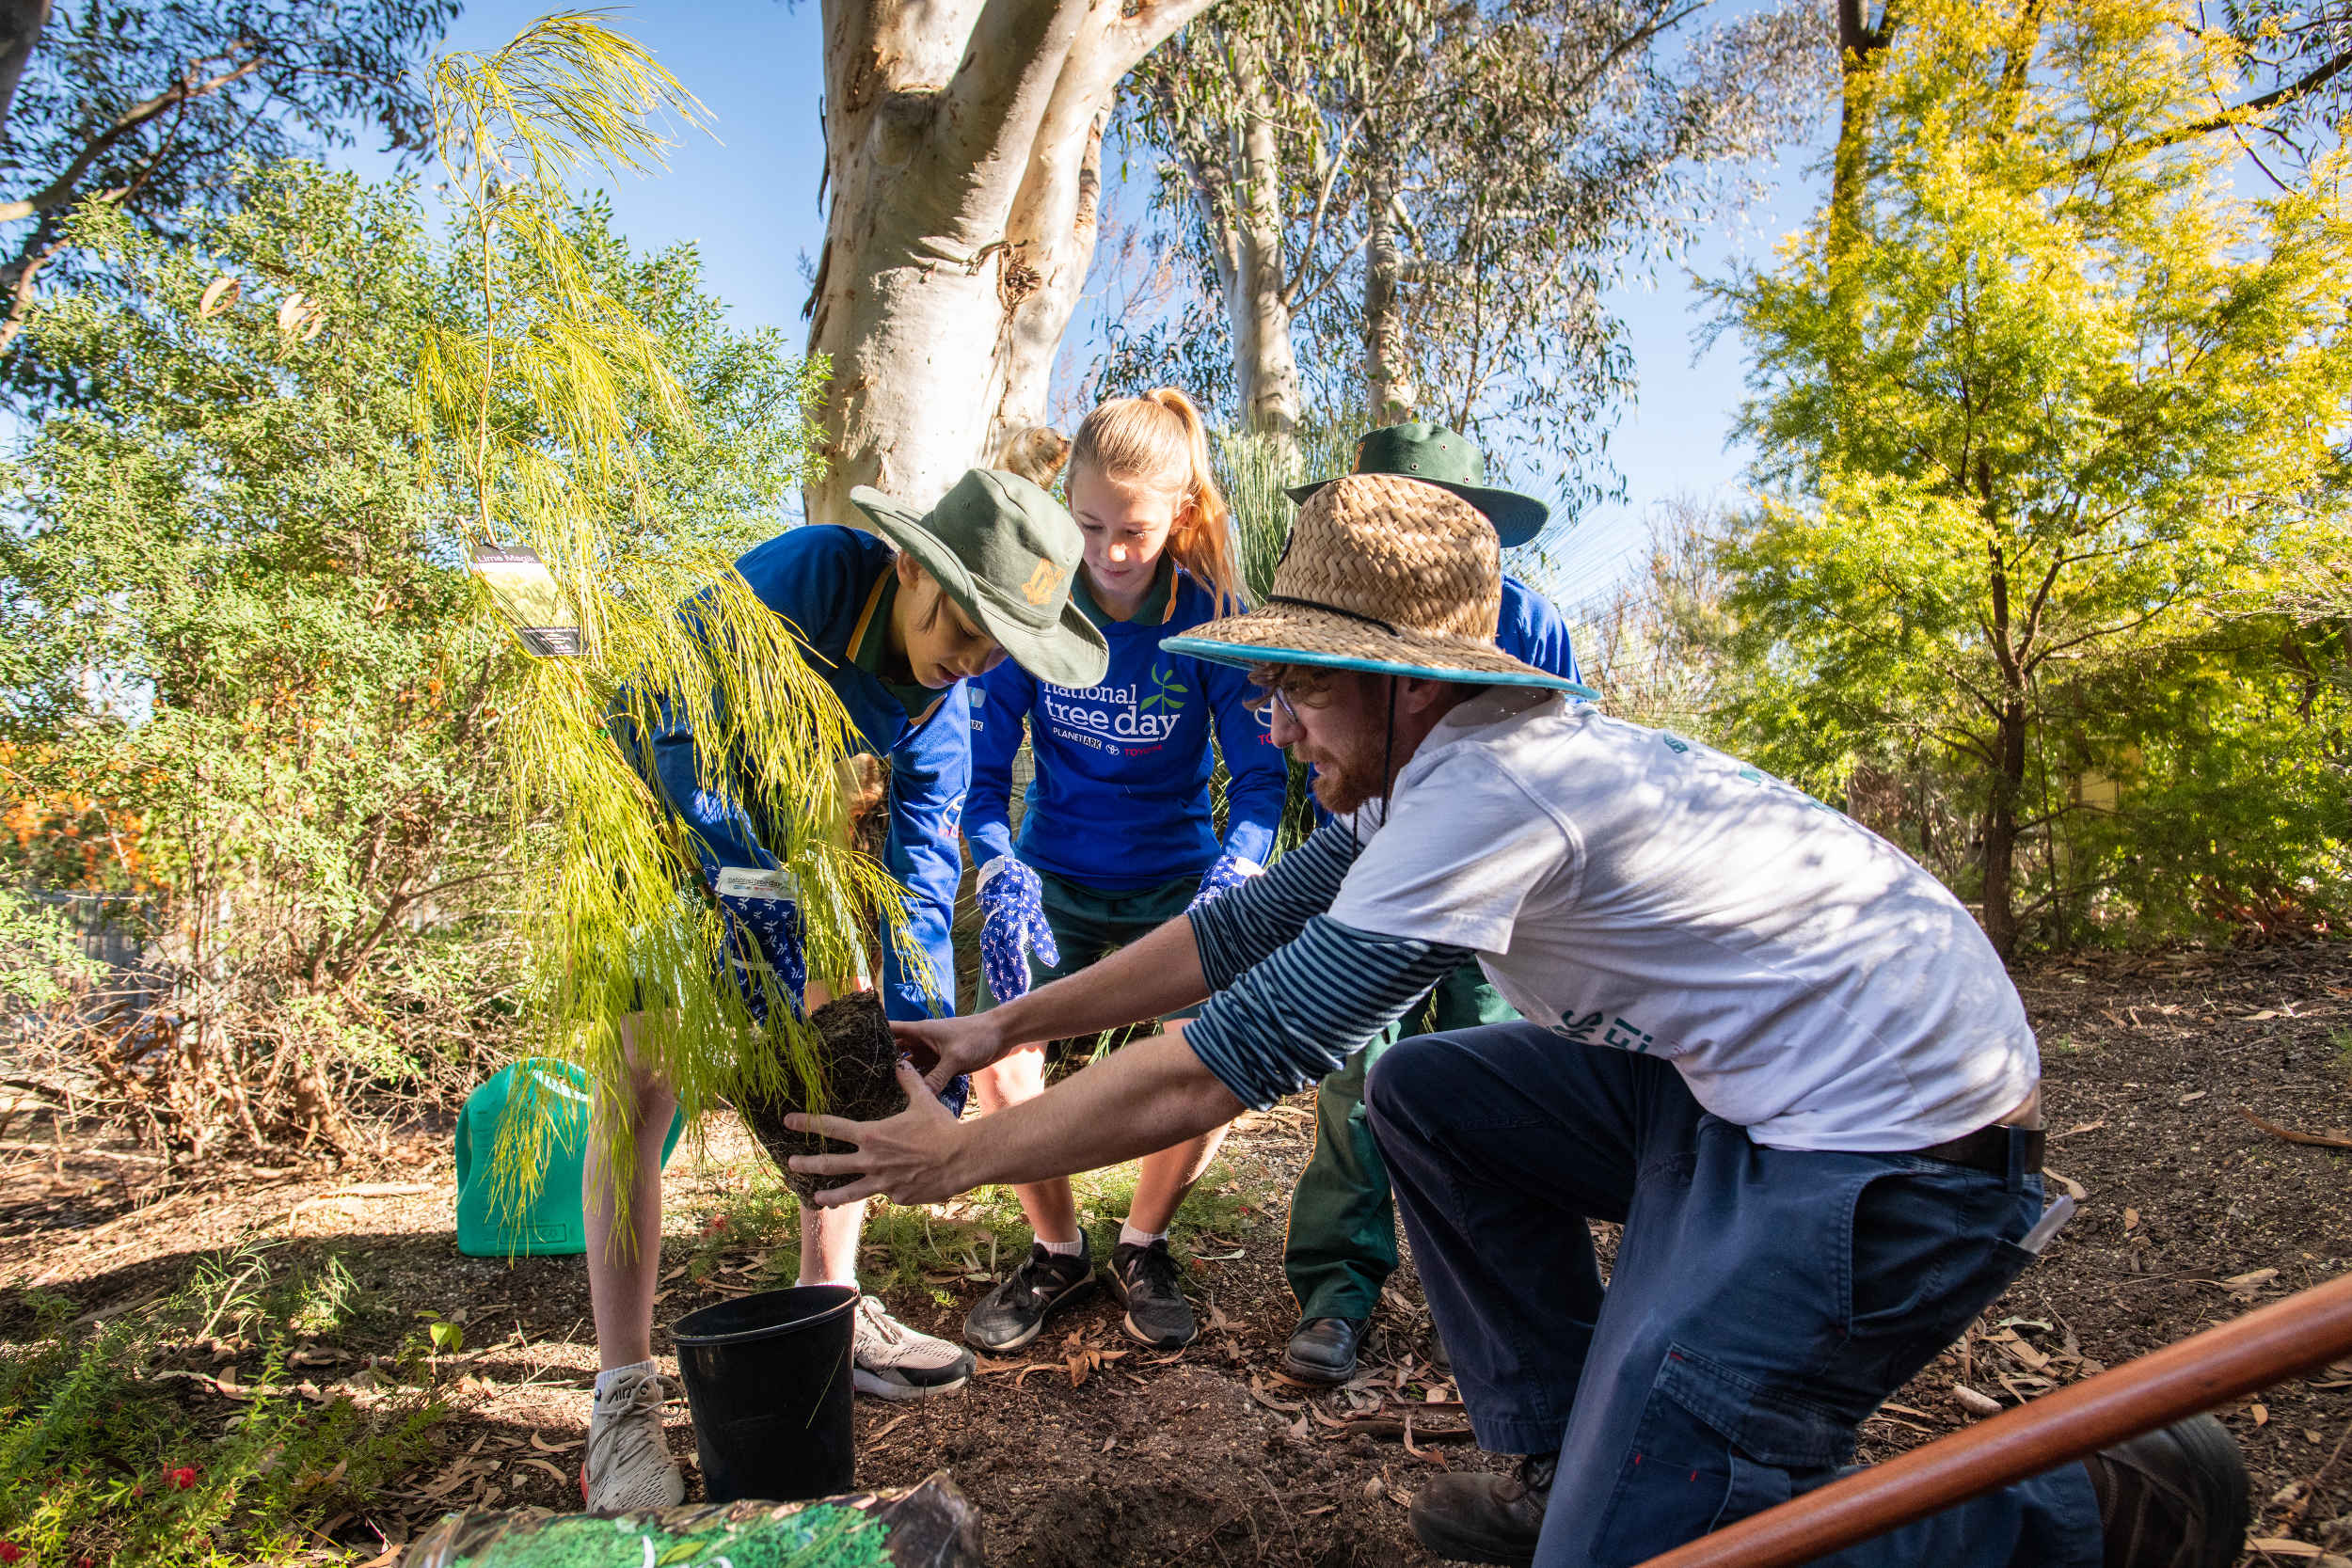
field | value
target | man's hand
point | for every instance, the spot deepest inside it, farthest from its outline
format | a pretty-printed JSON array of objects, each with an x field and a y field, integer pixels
[
  {"x": 907, "y": 1157},
  {"x": 944, "y": 1048}
]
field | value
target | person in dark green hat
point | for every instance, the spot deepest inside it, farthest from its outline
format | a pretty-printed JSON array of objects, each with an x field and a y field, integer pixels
[
  {"x": 1341, "y": 1244},
  {"x": 895, "y": 622}
]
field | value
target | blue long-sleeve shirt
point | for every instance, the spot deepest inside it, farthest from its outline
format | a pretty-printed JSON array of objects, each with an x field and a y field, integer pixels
[
  {"x": 833, "y": 585},
  {"x": 1121, "y": 797},
  {"x": 1530, "y": 630}
]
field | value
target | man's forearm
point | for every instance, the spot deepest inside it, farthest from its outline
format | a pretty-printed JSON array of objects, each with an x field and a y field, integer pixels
[
  {"x": 1152, "y": 1094},
  {"x": 1150, "y": 978}
]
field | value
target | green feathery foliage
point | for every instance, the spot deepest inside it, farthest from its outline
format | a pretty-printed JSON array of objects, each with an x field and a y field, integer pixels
[
  {"x": 549, "y": 398},
  {"x": 2045, "y": 398}
]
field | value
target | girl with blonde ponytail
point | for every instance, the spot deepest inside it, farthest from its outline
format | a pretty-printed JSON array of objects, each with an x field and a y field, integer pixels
[{"x": 1117, "y": 836}]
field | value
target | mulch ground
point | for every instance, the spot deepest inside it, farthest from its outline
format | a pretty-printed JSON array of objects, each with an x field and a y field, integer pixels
[{"x": 1089, "y": 1450}]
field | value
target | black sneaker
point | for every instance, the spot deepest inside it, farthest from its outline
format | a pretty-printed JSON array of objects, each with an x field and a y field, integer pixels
[
  {"x": 1476, "y": 1517},
  {"x": 2172, "y": 1498},
  {"x": 1157, "y": 1313},
  {"x": 1014, "y": 1313}
]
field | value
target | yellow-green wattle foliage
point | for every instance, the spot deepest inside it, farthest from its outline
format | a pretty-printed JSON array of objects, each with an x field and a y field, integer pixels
[
  {"x": 550, "y": 398},
  {"x": 2049, "y": 406}
]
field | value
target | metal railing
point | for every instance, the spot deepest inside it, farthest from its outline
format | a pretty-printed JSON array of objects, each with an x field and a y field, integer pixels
[{"x": 2227, "y": 1362}]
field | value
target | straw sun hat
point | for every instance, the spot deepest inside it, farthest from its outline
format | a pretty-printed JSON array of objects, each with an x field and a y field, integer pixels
[{"x": 1382, "y": 573}]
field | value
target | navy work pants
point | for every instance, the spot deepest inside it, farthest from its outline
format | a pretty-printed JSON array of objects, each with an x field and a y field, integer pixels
[{"x": 1762, "y": 1303}]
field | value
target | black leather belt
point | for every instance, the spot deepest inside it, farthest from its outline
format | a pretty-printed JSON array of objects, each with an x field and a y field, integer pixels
[{"x": 1987, "y": 1148}]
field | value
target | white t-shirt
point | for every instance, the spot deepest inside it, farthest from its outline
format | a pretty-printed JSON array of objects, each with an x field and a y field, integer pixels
[{"x": 1628, "y": 888}]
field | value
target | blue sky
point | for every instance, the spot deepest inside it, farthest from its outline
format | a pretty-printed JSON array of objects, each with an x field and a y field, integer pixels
[{"x": 748, "y": 200}]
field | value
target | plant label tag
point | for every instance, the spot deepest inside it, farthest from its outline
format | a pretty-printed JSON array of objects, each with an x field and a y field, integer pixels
[
  {"x": 526, "y": 592},
  {"x": 752, "y": 882}
]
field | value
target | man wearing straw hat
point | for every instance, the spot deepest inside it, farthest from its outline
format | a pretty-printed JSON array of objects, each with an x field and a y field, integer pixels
[
  {"x": 1339, "y": 1244},
  {"x": 1775, "y": 1050}
]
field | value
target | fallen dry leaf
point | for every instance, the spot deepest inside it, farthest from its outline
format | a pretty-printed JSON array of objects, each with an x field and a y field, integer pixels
[
  {"x": 2315, "y": 1140},
  {"x": 1974, "y": 1403},
  {"x": 1286, "y": 1407}
]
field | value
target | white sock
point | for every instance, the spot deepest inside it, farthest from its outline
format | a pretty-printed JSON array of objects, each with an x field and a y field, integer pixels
[
  {"x": 1061, "y": 1249},
  {"x": 611, "y": 1375},
  {"x": 850, "y": 1284},
  {"x": 1129, "y": 1236}
]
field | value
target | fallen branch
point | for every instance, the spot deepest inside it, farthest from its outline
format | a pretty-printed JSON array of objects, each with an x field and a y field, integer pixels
[
  {"x": 2315, "y": 1140},
  {"x": 1382, "y": 1426}
]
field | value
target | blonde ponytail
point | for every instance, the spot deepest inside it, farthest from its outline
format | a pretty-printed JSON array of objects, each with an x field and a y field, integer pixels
[
  {"x": 1160, "y": 440},
  {"x": 1036, "y": 453}
]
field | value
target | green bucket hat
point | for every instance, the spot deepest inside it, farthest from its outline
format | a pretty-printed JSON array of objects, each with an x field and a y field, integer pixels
[
  {"x": 1447, "y": 459},
  {"x": 1006, "y": 552}
]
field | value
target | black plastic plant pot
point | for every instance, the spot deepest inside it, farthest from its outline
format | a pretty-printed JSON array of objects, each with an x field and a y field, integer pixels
[{"x": 768, "y": 1379}]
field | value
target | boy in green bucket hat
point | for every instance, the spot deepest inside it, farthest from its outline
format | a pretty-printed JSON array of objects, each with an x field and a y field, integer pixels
[
  {"x": 1340, "y": 1247},
  {"x": 895, "y": 622}
]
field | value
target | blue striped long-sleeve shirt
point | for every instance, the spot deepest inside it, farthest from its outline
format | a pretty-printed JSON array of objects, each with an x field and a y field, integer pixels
[{"x": 1296, "y": 992}]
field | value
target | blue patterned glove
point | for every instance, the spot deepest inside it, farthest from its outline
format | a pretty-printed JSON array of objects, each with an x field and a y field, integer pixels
[
  {"x": 1228, "y": 873},
  {"x": 1013, "y": 926},
  {"x": 763, "y": 933}
]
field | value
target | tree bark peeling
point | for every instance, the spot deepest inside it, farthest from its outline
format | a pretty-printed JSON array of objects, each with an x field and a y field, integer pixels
[{"x": 963, "y": 158}]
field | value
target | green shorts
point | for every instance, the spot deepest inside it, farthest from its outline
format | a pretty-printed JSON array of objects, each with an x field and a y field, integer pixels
[{"x": 1088, "y": 925}]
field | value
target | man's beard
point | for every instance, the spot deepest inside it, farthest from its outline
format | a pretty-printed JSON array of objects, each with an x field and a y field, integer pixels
[{"x": 1342, "y": 787}]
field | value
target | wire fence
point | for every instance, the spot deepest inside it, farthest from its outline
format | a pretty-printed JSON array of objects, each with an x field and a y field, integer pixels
[{"x": 109, "y": 926}]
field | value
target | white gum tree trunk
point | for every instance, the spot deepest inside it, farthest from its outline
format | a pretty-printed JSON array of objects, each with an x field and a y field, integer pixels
[
  {"x": 963, "y": 158},
  {"x": 1386, "y": 380},
  {"x": 1257, "y": 298}
]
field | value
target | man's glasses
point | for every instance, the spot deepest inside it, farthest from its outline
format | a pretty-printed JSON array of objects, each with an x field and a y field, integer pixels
[{"x": 1265, "y": 704}]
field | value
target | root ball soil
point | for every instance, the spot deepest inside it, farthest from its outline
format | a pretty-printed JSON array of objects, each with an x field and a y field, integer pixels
[{"x": 860, "y": 1060}]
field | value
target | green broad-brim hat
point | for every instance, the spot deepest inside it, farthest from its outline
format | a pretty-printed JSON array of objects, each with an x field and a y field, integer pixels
[
  {"x": 1449, "y": 460},
  {"x": 1006, "y": 552}
]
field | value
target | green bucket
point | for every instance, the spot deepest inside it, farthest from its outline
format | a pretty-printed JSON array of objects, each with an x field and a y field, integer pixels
[{"x": 487, "y": 1224}]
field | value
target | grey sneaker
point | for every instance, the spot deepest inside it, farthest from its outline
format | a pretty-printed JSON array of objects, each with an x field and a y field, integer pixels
[
  {"x": 1014, "y": 1313},
  {"x": 1157, "y": 1313},
  {"x": 889, "y": 1359},
  {"x": 628, "y": 1467}
]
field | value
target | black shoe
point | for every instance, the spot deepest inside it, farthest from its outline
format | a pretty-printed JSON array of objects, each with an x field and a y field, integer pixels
[
  {"x": 2172, "y": 1498},
  {"x": 1157, "y": 1313},
  {"x": 1438, "y": 1357},
  {"x": 1323, "y": 1350},
  {"x": 1014, "y": 1313},
  {"x": 1477, "y": 1516}
]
